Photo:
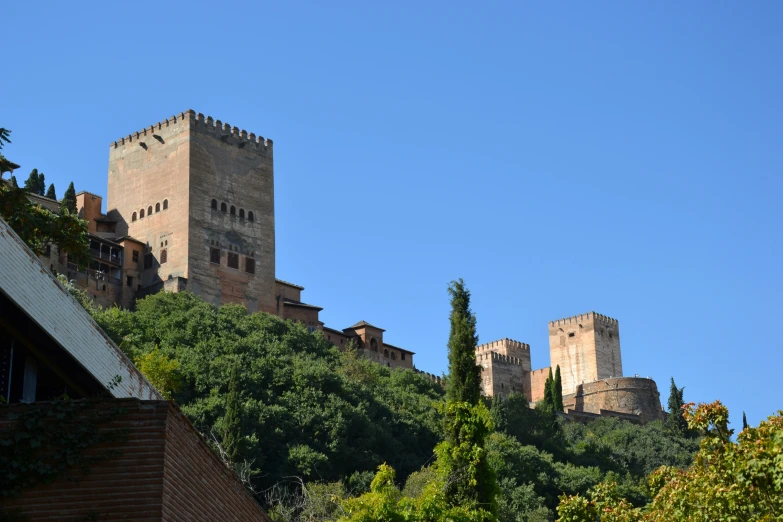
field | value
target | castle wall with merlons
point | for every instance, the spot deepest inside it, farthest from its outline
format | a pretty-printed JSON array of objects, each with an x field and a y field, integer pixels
[{"x": 633, "y": 395}]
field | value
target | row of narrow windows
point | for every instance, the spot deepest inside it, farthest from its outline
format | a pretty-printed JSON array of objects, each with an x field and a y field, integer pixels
[
  {"x": 141, "y": 213},
  {"x": 232, "y": 210},
  {"x": 232, "y": 260},
  {"x": 389, "y": 355}
]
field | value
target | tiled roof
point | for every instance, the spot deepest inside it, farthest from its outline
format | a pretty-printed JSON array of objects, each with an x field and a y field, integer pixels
[
  {"x": 385, "y": 344},
  {"x": 362, "y": 324},
  {"x": 291, "y": 302}
]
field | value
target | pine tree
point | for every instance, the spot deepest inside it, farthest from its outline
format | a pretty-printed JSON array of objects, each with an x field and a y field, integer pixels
[
  {"x": 51, "y": 193},
  {"x": 499, "y": 413},
  {"x": 31, "y": 185},
  {"x": 557, "y": 391},
  {"x": 744, "y": 422},
  {"x": 231, "y": 422},
  {"x": 69, "y": 200},
  {"x": 464, "y": 374},
  {"x": 13, "y": 182},
  {"x": 549, "y": 398},
  {"x": 676, "y": 422}
]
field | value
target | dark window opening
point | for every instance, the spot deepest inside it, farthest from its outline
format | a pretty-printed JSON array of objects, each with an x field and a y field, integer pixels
[
  {"x": 402, "y": 356},
  {"x": 233, "y": 210},
  {"x": 242, "y": 213},
  {"x": 165, "y": 204},
  {"x": 141, "y": 213},
  {"x": 250, "y": 216},
  {"x": 610, "y": 335},
  {"x": 570, "y": 334},
  {"x": 129, "y": 281},
  {"x": 135, "y": 256},
  {"x": 386, "y": 353},
  {"x": 147, "y": 261},
  {"x": 214, "y": 204},
  {"x": 373, "y": 345},
  {"x": 250, "y": 265},
  {"x": 164, "y": 255},
  {"x": 223, "y": 207},
  {"x": 157, "y": 207},
  {"x": 133, "y": 217},
  {"x": 233, "y": 260},
  {"x": 149, "y": 210},
  {"x": 394, "y": 356},
  {"x": 214, "y": 255}
]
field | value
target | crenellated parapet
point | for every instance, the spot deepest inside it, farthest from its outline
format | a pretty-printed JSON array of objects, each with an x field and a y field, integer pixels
[
  {"x": 585, "y": 318},
  {"x": 200, "y": 123},
  {"x": 502, "y": 343},
  {"x": 500, "y": 358},
  {"x": 434, "y": 378}
]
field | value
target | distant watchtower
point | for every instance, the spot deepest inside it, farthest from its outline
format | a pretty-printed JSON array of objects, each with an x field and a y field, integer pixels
[
  {"x": 200, "y": 195},
  {"x": 586, "y": 347}
]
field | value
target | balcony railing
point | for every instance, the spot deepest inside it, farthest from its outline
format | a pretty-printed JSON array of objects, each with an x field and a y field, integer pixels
[
  {"x": 75, "y": 273},
  {"x": 114, "y": 258}
]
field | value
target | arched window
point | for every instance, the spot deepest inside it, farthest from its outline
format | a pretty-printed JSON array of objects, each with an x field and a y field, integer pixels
[
  {"x": 157, "y": 207},
  {"x": 386, "y": 353},
  {"x": 223, "y": 207},
  {"x": 141, "y": 213},
  {"x": 165, "y": 204},
  {"x": 394, "y": 356},
  {"x": 214, "y": 204},
  {"x": 133, "y": 217},
  {"x": 373, "y": 345},
  {"x": 250, "y": 216},
  {"x": 149, "y": 210},
  {"x": 242, "y": 213},
  {"x": 233, "y": 210},
  {"x": 164, "y": 256}
]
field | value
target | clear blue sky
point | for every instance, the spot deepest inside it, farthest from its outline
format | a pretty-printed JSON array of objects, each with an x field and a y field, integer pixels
[{"x": 560, "y": 157}]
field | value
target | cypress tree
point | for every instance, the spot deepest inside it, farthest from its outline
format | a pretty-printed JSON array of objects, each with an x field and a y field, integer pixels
[
  {"x": 676, "y": 422},
  {"x": 69, "y": 200},
  {"x": 557, "y": 391},
  {"x": 41, "y": 184},
  {"x": 464, "y": 373},
  {"x": 549, "y": 399},
  {"x": 31, "y": 185},
  {"x": 499, "y": 413},
  {"x": 13, "y": 182},
  {"x": 744, "y": 422},
  {"x": 51, "y": 193},
  {"x": 231, "y": 422}
]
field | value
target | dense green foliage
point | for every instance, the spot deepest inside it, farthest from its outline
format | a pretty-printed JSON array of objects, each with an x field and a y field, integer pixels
[
  {"x": 306, "y": 409},
  {"x": 728, "y": 481},
  {"x": 31, "y": 184},
  {"x": 675, "y": 420},
  {"x": 50, "y": 193}
]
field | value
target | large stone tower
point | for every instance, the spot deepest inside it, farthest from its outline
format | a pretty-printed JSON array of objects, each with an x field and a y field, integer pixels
[
  {"x": 200, "y": 195},
  {"x": 586, "y": 347}
]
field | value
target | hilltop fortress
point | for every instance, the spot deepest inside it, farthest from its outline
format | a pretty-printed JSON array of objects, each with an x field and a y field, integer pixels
[
  {"x": 191, "y": 207},
  {"x": 586, "y": 347}
]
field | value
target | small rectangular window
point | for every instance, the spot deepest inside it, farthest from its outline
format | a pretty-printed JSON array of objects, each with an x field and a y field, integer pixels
[
  {"x": 233, "y": 260},
  {"x": 135, "y": 256},
  {"x": 402, "y": 356},
  {"x": 129, "y": 281},
  {"x": 148, "y": 260},
  {"x": 571, "y": 334},
  {"x": 250, "y": 265},
  {"x": 214, "y": 255}
]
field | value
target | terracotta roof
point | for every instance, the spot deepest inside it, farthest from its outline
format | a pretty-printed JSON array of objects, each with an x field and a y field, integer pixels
[
  {"x": 129, "y": 238},
  {"x": 398, "y": 348},
  {"x": 362, "y": 324},
  {"x": 291, "y": 302},
  {"x": 288, "y": 284},
  {"x": 326, "y": 328}
]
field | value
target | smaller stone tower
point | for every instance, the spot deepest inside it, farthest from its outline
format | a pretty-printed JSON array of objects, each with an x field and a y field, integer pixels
[
  {"x": 505, "y": 367},
  {"x": 586, "y": 347}
]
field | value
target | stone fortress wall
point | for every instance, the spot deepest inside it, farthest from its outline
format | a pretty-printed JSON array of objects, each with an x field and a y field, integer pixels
[{"x": 587, "y": 349}]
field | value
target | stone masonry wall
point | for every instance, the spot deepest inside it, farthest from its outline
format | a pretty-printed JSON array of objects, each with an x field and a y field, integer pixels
[
  {"x": 633, "y": 395},
  {"x": 537, "y": 381}
]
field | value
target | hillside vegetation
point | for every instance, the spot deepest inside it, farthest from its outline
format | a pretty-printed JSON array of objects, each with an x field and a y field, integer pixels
[{"x": 308, "y": 425}]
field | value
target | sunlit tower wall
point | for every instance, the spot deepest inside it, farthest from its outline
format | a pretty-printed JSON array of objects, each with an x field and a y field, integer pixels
[{"x": 586, "y": 347}]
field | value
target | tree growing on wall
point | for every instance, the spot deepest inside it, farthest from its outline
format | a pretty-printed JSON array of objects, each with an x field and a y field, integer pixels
[{"x": 69, "y": 200}]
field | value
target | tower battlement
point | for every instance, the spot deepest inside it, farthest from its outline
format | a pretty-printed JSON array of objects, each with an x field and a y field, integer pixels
[
  {"x": 502, "y": 343},
  {"x": 206, "y": 124},
  {"x": 585, "y": 318}
]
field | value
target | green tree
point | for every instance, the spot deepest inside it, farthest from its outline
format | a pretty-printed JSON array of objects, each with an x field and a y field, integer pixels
[
  {"x": 50, "y": 193},
  {"x": 31, "y": 184},
  {"x": 69, "y": 200},
  {"x": 499, "y": 413},
  {"x": 14, "y": 183},
  {"x": 744, "y": 421},
  {"x": 557, "y": 391},
  {"x": 464, "y": 373},
  {"x": 675, "y": 421},
  {"x": 161, "y": 370},
  {"x": 41, "y": 184},
  {"x": 5, "y": 164},
  {"x": 549, "y": 398},
  {"x": 231, "y": 432}
]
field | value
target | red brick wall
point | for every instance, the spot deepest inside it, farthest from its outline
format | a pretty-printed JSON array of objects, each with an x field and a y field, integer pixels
[{"x": 165, "y": 471}]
